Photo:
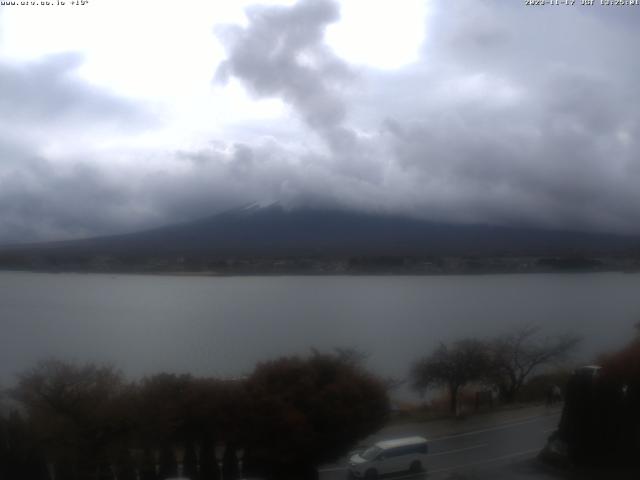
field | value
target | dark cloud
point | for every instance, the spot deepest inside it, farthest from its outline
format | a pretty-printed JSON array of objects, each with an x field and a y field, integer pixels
[
  {"x": 45, "y": 198},
  {"x": 512, "y": 115},
  {"x": 282, "y": 53},
  {"x": 40, "y": 199},
  {"x": 509, "y": 122}
]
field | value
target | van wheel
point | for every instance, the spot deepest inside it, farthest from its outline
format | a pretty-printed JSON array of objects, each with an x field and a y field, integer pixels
[
  {"x": 416, "y": 467},
  {"x": 371, "y": 474}
]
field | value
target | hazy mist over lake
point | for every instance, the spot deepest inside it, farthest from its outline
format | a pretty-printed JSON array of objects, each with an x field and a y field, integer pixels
[{"x": 223, "y": 326}]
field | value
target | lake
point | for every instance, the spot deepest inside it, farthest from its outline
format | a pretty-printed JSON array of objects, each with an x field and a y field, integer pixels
[{"x": 224, "y": 325}]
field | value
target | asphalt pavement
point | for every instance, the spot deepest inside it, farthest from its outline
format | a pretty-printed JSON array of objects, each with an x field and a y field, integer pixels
[{"x": 501, "y": 445}]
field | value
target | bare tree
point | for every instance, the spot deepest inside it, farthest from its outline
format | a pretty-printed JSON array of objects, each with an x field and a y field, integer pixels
[
  {"x": 453, "y": 367},
  {"x": 72, "y": 408},
  {"x": 518, "y": 354}
]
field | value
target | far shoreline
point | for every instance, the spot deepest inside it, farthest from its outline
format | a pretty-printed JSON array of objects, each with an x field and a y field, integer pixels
[{"x": 215, "y": 274}]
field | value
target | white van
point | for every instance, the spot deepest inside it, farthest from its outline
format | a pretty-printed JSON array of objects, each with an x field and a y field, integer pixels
[{"x": 390, "y": 456}]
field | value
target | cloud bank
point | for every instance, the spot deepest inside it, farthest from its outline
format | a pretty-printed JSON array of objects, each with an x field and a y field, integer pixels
[{"x": 511, "y": 116}]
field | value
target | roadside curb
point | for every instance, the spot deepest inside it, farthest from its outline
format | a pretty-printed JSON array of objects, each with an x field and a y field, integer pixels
[{"x": 444, "y": 427}]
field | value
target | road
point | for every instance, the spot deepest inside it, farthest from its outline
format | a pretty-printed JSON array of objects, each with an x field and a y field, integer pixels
[{"x": 491, "y": 451}]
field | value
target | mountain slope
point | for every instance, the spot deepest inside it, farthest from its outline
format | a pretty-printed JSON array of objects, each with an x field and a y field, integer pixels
[{"x": 275, "y": 231}]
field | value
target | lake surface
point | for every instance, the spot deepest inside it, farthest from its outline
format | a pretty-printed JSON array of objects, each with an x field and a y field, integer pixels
[{"x": 224, "y": 325}]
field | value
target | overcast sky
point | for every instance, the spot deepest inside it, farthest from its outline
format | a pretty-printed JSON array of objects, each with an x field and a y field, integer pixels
[{"x": 124, "y": 114}]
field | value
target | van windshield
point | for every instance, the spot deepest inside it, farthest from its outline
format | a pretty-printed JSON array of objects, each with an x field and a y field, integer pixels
[{"x": 371, "y": 453}]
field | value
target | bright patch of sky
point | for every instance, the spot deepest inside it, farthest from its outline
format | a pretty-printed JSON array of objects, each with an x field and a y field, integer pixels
[{"x": 166, "y": 53}]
